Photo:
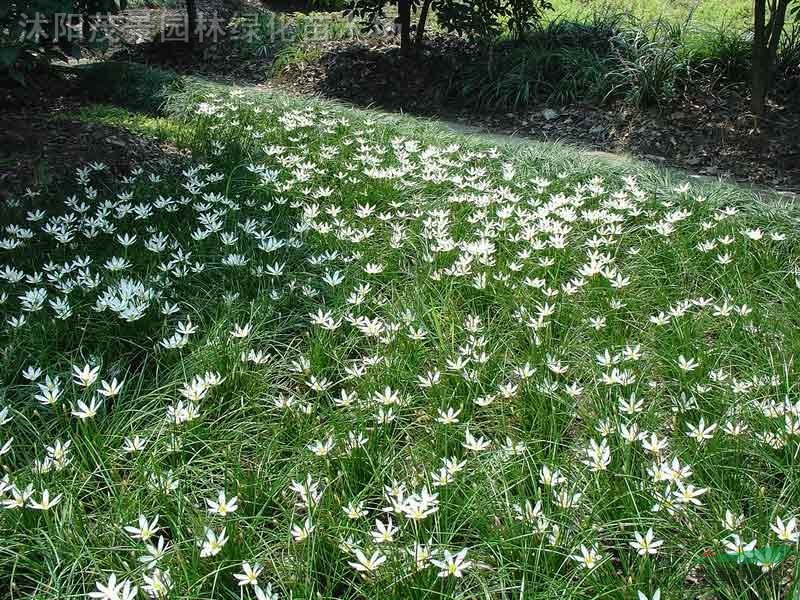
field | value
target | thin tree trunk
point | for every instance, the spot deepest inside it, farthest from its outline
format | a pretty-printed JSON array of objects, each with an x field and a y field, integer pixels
[
  {"x": 777, "y": 21},
  {"x": 760, "y": 59},
  {"x": 423, "y": 18},
  {"x": 404, "y": 18},
  {"x": 191, "y": 11}
]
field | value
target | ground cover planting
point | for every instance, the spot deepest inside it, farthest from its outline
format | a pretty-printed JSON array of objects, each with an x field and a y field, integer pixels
[{"x": 335, "y": 355}]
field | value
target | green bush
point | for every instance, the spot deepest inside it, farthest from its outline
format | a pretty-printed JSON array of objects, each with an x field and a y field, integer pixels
[
  {"x": 516, "y": 76},
  {"x": 724, "y": 52},
  {"x": 265, "y": 33},
  {"x": 285, "y": 39},
  {"x": 789, "y": 52},
  {"x": 329, "y": 4}
]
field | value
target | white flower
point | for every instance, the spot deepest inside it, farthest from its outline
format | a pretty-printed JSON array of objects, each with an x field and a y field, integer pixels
[
  {"x": 787, "y": 532},
  {"x": 249, "y": 574},
  {"x": 589, "y": 557},
  {"x": 145, "y": 529},
  {"x": 213, "y": 543},
  {"x": 222, "y": 506},
  {"x": 301, "y": 533},
  {"x": 111, "y": 590},
  {"x": 453, "y": 565},
  {"x": 85, "y": 411},
  {"x": 266, "y": 594},
  {"x": 154, "y": 553},
  {"x": 646, "y": 544},
  {"x": 157, "y": 583},
  {"x": 47, "y": 503},
  {"x": 384, "y": 532},
  {"x": 366, "y": 565}
]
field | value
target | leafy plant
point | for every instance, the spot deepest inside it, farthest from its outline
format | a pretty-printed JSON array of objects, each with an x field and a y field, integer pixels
[
  {"x": 329, "y": 4},
  {"x": 722, "y": 51},
  {"x": 513, "y": 78},
  {"x": 128, "y": 84},
  {"x": 293, "y": 55}
]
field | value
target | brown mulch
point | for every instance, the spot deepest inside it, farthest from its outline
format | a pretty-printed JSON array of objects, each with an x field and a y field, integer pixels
[{"x": 42, "y": 144}]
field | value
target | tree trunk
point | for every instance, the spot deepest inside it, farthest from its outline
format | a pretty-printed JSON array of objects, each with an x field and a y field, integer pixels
[
  {"x": 423, "y": 18},
  {"x": 758, "y": 90},
  {"x": 777, "y": 21},
  {"x": 191, "y": 23},
  {"x": 766, "y": 41},
  {"x": 404, "y": 19}
]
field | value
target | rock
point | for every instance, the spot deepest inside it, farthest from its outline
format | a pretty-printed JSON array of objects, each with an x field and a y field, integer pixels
[{"x": 549, "y": 114}]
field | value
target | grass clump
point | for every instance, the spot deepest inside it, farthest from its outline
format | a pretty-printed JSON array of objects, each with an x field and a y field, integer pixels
[
  {"x": 348, "y": 356},
  {"x": 132, "y": 85},
  {"x": 172, "y": 130}
]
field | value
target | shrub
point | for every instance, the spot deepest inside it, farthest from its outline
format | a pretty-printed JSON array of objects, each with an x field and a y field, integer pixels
[
  {"x": 789, "y": 53},
  {"x": 329, "y": 4},
  {"x": 288, "y": 39},
  {"x": 723, "y": 52},
  {"x": 265, "y": 33},
  {"x": 611, "y": 57},
  {"x": 525, "y": 15},
  {"x": 294, "y": 55}
]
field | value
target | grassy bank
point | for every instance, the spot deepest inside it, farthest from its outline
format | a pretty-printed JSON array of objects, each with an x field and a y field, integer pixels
[{"x": 352, "y": 356}]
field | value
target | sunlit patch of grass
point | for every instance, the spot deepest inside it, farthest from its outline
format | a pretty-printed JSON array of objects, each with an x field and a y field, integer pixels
[{"x": 144, "y": 124}]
